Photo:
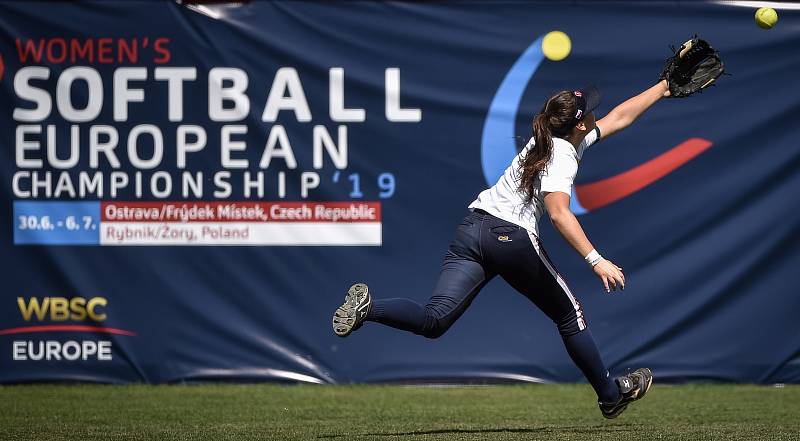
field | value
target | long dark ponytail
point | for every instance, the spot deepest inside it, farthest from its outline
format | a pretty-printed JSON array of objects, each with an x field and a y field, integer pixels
[{"x": 555, "y": 119}]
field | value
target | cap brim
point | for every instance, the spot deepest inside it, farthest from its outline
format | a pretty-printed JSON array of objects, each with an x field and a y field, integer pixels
[{"x": 592, "y": 96}]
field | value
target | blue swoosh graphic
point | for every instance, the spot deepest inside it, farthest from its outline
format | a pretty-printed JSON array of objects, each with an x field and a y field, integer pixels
[
  {"x": 497, "y": 142},
  {"x": 575, "y": 205}
]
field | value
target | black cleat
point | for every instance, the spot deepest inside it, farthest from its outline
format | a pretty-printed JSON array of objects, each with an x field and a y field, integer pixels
[
  {"x": 631, "y": 388},
  {"x": 351, "y": 315}
]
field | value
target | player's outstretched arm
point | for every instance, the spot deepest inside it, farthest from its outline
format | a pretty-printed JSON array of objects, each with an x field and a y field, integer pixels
[
  {"x": 626, "y": 113},
  {"x": 557, "y": 204}
]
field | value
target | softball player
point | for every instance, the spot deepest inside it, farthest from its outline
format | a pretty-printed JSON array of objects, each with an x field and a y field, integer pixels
[{"x": 500, "y": 237}]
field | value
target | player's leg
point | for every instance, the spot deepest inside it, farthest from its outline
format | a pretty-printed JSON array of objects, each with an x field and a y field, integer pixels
[
  {"x": 532, "y": 273},
  {"x": 462, "y": 277},
  {"x": 583, "y": 350},
  {"x": 459, "y": 282},
  {"x": 510, "y": 251}
]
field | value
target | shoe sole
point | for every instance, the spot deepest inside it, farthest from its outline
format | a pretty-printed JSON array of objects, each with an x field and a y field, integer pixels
[
  {"x": 347, "y": 318},
  {"x": 616, "y": 412}
]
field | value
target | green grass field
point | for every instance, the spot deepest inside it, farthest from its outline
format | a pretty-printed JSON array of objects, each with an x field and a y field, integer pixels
[{"x": 341, "y": 413}]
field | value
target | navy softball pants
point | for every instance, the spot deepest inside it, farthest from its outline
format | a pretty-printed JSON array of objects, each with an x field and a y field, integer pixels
[{"x": 485, "y": 246}]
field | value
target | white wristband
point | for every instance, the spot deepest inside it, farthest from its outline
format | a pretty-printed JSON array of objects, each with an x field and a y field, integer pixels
[{"x": 593, "y": 258}]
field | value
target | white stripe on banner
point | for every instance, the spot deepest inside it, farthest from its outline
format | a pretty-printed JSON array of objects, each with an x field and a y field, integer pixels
[
  {"x": 559, "y": 279},
  {"x": 240, "y": 233}
]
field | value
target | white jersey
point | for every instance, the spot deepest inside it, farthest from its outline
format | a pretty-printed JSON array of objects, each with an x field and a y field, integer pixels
[{"x": 504, "y": 200}]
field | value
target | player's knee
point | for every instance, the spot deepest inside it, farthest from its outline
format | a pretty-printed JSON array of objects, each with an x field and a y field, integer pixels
[
  {"x": 434, "y": 327},
  {"x": 433, "y": 332},
  {"x": 570, "y": 325}
]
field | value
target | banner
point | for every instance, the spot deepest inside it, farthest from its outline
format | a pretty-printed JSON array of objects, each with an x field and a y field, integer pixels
[{"x": 191, "y": 189}]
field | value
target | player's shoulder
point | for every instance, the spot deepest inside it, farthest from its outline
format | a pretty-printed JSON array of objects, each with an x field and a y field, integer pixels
[{"x": 562, "y": 147}]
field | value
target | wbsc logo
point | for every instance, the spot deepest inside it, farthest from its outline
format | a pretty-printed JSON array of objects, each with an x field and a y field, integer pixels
[
  {"x": 58, "y": 316},
  {"x": 498, "y": 147}
]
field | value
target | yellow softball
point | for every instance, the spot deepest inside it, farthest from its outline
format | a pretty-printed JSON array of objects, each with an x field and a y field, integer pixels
[
  {"x": 766, "y": 18},
  {"x": 556, "y": 45}
]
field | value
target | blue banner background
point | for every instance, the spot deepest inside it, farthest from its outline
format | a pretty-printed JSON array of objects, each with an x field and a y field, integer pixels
[{"x": 709, "y": 250}]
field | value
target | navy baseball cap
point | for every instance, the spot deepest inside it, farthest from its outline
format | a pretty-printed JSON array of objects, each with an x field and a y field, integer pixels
[{"x": 587, "y": 99}]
